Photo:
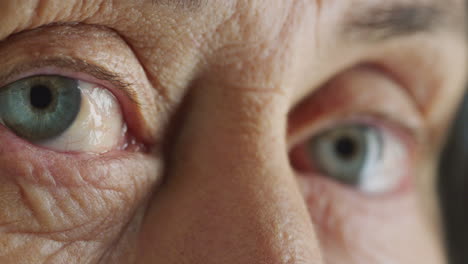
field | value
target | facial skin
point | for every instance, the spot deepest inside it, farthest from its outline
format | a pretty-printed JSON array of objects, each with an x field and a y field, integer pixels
[{"x": 218, "y": 97}]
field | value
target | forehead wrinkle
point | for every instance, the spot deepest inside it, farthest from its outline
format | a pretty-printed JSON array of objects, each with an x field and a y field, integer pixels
[{"x": 19, "y": 15}]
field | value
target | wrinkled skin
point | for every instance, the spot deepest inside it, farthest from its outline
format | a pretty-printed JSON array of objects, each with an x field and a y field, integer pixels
[{"x": 218, "y": 84}]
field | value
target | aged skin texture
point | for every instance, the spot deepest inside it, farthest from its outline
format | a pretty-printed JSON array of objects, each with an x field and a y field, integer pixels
[{"x": 216, "y": 131}]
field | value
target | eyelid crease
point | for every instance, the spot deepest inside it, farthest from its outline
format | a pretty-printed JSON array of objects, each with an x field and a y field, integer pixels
[
  {"x": 78, "y": 65},
  {"x": 335, "y": 103}
]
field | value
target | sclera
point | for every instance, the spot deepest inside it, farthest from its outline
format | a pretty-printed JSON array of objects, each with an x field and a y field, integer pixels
[{"x": 99, "y": 126}]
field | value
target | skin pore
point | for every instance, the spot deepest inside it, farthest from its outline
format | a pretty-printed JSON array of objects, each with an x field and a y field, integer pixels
[{"x": 219, "y": 100}]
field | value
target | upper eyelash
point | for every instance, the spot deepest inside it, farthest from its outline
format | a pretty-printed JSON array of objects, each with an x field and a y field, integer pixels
[
  {"x": 378, "y": 120},
  {"x": 76, "y": 65}
]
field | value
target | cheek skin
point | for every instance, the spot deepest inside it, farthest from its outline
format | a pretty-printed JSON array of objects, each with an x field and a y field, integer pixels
[
  {"x": 51, "y": 198},
  {"x": 358, "y": 229}
]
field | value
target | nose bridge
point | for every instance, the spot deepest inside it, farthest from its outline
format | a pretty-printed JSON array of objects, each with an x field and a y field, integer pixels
[{"x": 234, "y": 198}]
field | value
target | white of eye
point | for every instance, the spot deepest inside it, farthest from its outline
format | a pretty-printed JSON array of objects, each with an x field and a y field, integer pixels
[
  {"x": 370, "y": 159},
  {"x": 99, "y": 126},
  {"x": 385, "y": 171}
]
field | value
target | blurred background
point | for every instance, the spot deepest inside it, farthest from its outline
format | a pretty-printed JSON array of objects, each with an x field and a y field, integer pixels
[{"x": 453, "y": 188}]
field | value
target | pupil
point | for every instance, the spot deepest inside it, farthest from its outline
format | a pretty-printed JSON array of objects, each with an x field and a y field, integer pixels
[
  {"x": 40, "y": 96},
  {"x": 346, "y": 148}
]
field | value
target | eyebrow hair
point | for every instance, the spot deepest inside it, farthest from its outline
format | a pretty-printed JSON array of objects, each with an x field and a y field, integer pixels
[
  {"x": 394, "y": 20},
  {"x": 181, "y": 4}
]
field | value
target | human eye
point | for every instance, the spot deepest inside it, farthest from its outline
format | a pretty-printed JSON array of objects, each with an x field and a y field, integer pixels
[
  {"x": 362, "y": 150},
  {"x": 358, "y": 154},
  {"x": 76, "y": 126},
  {"x": 59, "y": 96},
  {"x": 62, "y": 113},
  {"x": 365, "y": 140},
  {"x": 357, "y": 146}
]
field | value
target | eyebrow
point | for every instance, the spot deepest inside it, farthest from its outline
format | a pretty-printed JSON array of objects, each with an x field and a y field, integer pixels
[
  {"x": 181, "y": 4},
  {"x": 393, "y": 20}
]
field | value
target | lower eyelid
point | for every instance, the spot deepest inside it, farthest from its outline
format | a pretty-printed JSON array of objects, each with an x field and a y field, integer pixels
[
  {"x": 401, "y": 139},
  {"x": 44, "y": 167},
  {"x": 339, "y": 213}
]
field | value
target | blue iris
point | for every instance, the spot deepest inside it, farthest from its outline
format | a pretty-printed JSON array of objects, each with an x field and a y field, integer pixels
[
  {"x": 344, "y": 152},
  {"x": 40, "y": 107}
]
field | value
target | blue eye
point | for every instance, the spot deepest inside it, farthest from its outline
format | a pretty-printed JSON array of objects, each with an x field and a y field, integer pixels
[
  {"x": 40, "y": 107},
  {"x": 346, "y": 153}
]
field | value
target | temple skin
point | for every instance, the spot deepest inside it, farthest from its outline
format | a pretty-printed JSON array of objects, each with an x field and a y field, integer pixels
[{"x": 220, "y": 93}]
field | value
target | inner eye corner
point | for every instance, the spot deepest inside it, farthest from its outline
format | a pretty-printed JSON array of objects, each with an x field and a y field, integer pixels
[{"x": 40, "y": 96}]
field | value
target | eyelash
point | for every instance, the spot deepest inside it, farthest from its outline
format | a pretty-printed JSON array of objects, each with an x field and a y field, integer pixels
[
  {"x": 131, "y": 142},
  {"x": 359, "y": 95},
  {"x": 303, "y": 166}
]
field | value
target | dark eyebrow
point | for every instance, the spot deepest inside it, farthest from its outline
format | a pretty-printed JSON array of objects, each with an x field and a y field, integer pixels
[
  {"x": 393, "y": 20},
  {"x": 181, "y": 4}
]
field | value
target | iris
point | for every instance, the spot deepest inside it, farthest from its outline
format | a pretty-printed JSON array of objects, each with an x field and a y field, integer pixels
[
  {"x": 40, "y": 107},
  {"x": 346, "y": 152}
]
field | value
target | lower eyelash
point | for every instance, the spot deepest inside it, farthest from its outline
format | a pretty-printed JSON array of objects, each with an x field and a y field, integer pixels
[{"x": 302, "y": 163}]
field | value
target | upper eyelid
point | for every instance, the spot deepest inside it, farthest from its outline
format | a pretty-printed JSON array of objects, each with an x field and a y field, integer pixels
[
  {"x": 75, "y": 65},
  {"x": 381, "y": 121},
  {"x": 94, "y": 54},
  {"x": 315, "y": 113}
]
